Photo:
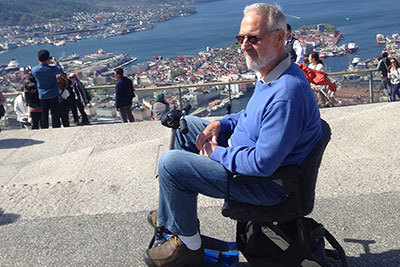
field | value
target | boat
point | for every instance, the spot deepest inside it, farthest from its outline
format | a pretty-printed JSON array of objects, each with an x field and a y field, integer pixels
[
  {"x": 380, "y": 38},
  {"x": 355, "y": 60},
  {"x": 60, "y": 43},
  {"x": 72, "y": 57},
  {"x": 396, "y": 37},
  {"x": 354, "y": 63},
  {"x": 352, "y": 47},
  {"x": 13, "y": 65}
]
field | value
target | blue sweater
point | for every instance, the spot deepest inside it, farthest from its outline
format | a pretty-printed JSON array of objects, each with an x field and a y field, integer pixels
[
  {"x": 279, "y": 126},
  {"x": 45, "y": 76}
]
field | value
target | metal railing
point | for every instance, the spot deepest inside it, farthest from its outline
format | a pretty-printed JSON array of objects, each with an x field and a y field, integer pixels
[
  {"x": 180, "y": 90},
  {"x": 197, "y": 85}
]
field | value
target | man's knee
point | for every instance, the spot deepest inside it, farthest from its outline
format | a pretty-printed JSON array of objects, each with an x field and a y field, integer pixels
[{"x": 169, "y": 161}]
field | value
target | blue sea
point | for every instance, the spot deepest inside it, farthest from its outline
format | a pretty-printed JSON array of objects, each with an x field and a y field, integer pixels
[{"x": 216, "y": 23}]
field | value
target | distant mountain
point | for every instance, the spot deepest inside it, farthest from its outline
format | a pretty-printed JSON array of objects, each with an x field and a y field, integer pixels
[{"x": 25, "y": 12}]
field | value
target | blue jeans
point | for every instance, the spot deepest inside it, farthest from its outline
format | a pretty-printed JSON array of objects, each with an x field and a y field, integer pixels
[
  {"x": 183, "y": 174},
  {"x": 395, "y": 91}
]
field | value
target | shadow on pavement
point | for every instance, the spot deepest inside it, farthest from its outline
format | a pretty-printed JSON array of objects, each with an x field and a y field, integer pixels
[
  {"x": 7, "y": 218},
  {"x": 387, "y": 258},
  {"x": 17, "y": 143}
]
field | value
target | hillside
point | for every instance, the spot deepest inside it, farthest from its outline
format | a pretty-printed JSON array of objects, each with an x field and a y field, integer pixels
[{"x": 26, "y": 12}]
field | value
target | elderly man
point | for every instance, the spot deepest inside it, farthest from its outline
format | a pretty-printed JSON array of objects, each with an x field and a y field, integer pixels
[{"x": 279, "y": 126}]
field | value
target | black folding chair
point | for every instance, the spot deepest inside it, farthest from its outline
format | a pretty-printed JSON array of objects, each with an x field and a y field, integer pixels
[{"x": 281, "y": 235}]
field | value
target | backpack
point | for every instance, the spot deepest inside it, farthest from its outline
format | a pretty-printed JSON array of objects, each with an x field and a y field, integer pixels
[
  {"x": 295, "y": 243},
  {"x": 31, "y": 95}
]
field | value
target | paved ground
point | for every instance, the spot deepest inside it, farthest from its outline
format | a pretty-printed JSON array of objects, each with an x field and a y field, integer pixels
[{"x": 79, "y": 196}]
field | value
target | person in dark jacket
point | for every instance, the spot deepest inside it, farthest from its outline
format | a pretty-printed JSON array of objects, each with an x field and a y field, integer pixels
[
  {"x": 71, "y": 100},
  {"x": 124, "y": 93},
  {"x": 160, "y": 107},
  {"x": 293, "y": 47},
  {"x": 31, "y": 96},
  {"x": 81, "y": 97},
  {"x": 384, "y": 66},
  {"x": 62, "y": 83}
]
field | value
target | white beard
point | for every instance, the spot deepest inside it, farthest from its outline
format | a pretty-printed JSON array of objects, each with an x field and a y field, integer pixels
[{"x": 260, "y": 63}]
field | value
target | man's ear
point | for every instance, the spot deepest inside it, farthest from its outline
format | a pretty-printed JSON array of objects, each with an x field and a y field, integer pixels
[
  {"x": 281, "y": 35},
  {"x": 280, "y": 38}
]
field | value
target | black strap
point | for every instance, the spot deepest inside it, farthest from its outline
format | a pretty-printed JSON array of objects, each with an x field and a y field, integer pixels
[{"x": 335, "y": 244}]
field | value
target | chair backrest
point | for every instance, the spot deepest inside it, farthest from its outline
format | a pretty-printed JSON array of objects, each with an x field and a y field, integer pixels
[{"x": 310, "y": 168}]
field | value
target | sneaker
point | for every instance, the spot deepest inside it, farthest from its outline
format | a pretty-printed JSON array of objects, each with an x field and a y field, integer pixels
[
  {"x": 173, "y": 253},
  {"x": 152, "y": 218}
]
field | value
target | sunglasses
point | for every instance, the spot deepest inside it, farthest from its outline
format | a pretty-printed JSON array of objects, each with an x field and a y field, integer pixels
[{"x": 253, "y": 39}]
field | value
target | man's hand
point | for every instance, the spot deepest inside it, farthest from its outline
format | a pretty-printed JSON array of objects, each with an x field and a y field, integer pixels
[
  {"x": 208, "y": 149},
  {"x": 210, "y": 132}
]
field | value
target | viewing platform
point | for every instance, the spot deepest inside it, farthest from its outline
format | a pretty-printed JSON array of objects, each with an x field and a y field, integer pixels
[{"x": 79, "y": 196}]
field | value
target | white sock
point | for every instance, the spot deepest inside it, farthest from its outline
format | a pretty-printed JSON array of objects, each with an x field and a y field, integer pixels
[{"x": 192, "y": 242}]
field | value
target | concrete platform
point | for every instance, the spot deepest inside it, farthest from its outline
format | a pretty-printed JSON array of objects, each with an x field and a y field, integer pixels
[{"x": 78, "y": 196}]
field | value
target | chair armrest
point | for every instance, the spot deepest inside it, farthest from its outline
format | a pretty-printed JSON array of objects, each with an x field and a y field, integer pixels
[{"x": 282, "y": 173}]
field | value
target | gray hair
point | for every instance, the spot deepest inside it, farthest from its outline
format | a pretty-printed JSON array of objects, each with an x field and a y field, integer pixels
[{"x": 273, "y": 13}]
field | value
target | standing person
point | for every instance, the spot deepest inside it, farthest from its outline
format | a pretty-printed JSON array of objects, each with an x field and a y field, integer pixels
[
  {"x": 293, "y": 47},
  {"x": 124, "y": 93},
  {"x": 21, "y": 110},
  {"x": 383, "y": 66},
  {"x": 2, "y": 109},
  {"x": 71, "y": 101},
  {"x": 45, "y": 76},
  {"x": 280, "y": 126},
  {"x": 81, "y": 97},
  {"x": 394, "y": 76},
  {"x": 62, "y": 83},
  {"x": 32, "y": 100},
  {"x": 160, "y": 107}
]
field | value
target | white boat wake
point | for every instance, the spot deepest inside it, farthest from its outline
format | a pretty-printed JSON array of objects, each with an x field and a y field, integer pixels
[{"x": 295, "y": 17}]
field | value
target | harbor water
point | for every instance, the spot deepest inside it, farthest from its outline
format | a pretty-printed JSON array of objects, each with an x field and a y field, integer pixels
[{"x": 215, "y": 25}]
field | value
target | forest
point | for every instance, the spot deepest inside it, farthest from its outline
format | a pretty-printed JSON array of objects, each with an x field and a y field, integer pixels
[{"x": 27, "y": 12}]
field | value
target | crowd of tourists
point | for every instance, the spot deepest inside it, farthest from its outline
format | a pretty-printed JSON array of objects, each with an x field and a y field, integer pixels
[{"x": 48, "y": 89}]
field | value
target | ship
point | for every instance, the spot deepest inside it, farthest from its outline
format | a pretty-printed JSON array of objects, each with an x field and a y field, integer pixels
[
  {"x": 380, "y": 38},
  {"x": 13, "y": 65},
  {"x": 352, "y": 47},
  {"x": 73, "y": 56}
]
